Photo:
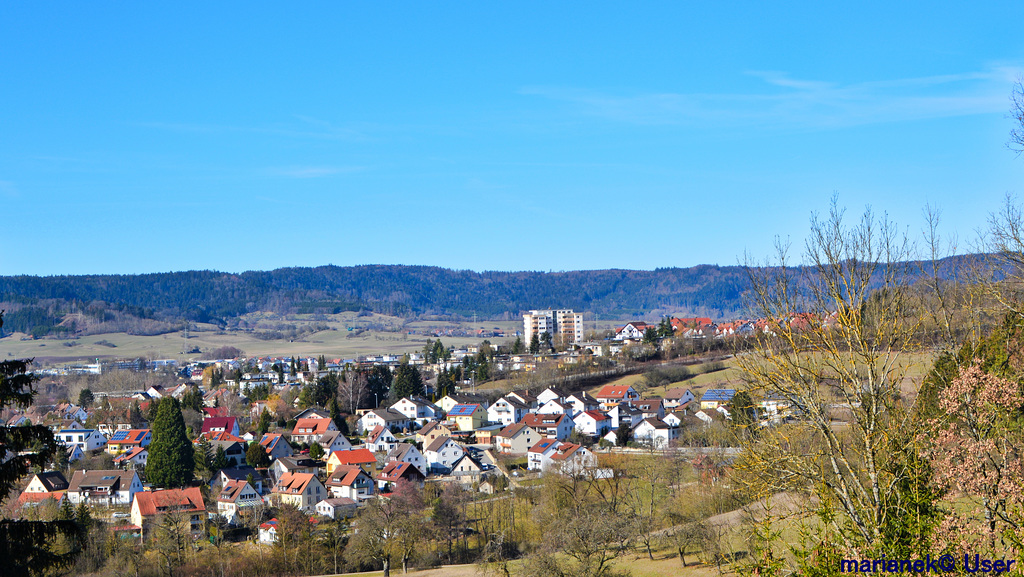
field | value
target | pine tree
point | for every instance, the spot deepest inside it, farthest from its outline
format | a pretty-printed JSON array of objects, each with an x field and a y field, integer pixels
[
  {"x": 256, "y": 456},
  {"x": 170, "y": 461},
  {"x": 407, "y": 383}
]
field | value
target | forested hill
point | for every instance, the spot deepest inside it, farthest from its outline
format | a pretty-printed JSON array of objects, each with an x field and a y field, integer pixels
[{"x": 206, "y": 296}]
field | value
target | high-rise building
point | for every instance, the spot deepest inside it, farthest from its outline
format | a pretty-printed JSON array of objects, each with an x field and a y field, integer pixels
[{"x": 553, "y": 322}]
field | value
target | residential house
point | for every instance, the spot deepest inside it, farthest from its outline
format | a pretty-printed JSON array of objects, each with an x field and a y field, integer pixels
[
  {"x": 581, "y": 402},
  {"x": 133, "y": 459},
  {"x": 448, "y": 401},
  {"x": 570, "y": 459},
  {"x": 507, "y": 410},
  {"x": 467, "y": 470},
  {"x": 655, "y": 433},
  {"x": 408, "y": 453},
  {"x": 313, "y": 413},
  {"x": 215, "y": 424},
  {"x": 678, "y": 397},
  {"x": 358, "y": 456},
  {"x": 631, "y": 332},
  {"x": 302, "y": 490},
  {"x": 123, "y": 441},
  {"x": 394, "y": 472},
  {"x": 42, "y": 486},
  {"x": 332, "y": 441},
  {"x": 524, "y": 397},
  {"x": 650, "y": 408},
  {"x": 431, "y": 431},
  {"x": 386, "y": 418},
  {"x": 625, "y": 415},
  {"x": 337, "y": 508},
  {"x": 235, "y": 497},
  {"x": 276, "y": 446},
  {"x": 442, "y": 453},
  {"x": 309, "y": 430},
  {"x": 551, "y": 394},
  {"x": 70, "y": 411},
  {"x": 540, "y": 453},
  {"x": 86, "y": 439},
  {"x": 417, "y": 409},
  {"x": 291, "y": 465},
  {"x": 185, "y": 506},
  {"x": 593, "y": 423},
  {"x": 468, "y": 417},
  {"x": 550, "y": 426},
  {"x": 268, "y": 532},
  {"x": 234, "y": 451},
  {"x": 243, "y": 473},
  {"x": 715, "y": 398},
  {"x": 555, "y": 407},
  {"x": 256, "y": 409},
  {"x": 611, "y": 395},
  {"x": 380, "y": 440},
  {"x": 350, "y": 481},
  {"x": 103, "y": 487},
  {"x": 516, "y": 439}
]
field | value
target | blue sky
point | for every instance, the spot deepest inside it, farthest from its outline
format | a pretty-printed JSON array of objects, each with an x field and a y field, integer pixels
[{"x": 488, "y": 136}]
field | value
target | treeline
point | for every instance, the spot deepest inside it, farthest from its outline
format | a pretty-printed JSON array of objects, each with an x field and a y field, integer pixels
[{"x": 35, "y": 304}]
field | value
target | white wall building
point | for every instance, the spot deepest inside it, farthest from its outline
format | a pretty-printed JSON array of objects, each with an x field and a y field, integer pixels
[{"x": 553, "y": 322}]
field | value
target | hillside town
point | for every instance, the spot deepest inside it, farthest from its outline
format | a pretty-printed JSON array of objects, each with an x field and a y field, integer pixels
[{"x": 315, "y": 435}]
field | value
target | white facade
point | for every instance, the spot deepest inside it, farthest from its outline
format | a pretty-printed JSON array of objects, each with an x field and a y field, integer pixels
[
  {"x": 86, "y": 439},
  {"x": 553, "y": 322}
]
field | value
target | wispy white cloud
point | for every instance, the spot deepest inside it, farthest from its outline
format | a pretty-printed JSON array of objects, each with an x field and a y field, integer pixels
[
  {"x": 790, "y": 102},
  {"x": 314, "y": 171}
]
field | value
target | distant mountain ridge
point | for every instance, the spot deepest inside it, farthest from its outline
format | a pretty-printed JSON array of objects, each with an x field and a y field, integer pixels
[{"x": 209, "y": 296}]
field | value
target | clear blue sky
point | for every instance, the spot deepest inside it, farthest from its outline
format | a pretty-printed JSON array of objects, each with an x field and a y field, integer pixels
[{"x": 489, "y": 136}]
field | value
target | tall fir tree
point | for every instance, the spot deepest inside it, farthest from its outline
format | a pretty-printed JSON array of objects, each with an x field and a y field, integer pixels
[{"x": 170, "y": 462}]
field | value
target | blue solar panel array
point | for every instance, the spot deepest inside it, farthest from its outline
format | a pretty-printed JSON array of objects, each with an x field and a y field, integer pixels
[
  {"x": 461, "y": 410},
  {"x": 120, "y": 436}
]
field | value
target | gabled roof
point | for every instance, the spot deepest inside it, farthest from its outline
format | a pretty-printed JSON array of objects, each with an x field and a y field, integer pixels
[
  {"x": 396, "y": 470},
  {"x": 166, "y": 500},
  {"x": 597, "y": 415},
  {"x": 516, "y": 403},
  {"x": 130, "y": 454},
  {"x": 52, "y": 480},
  {"x": 582, "y": 396},
  {"x": 400, "y": 450},
  {"x": 231, "y": 490},
  {"x": 464, "y": 410},
  {"x": 675, "y": 394},
  {"x": 345, "y": 475},
  {"x": 130, "y": 437},
  {"x": 613, "y": 392},
  {"x": 377, "y": 433},
  {"x": 241, "y": 473},
  {"x": 37, "y": 498},
  {"x": 270, "y": 441},
  {"x": 222, "y": 436},
  {"x": 512, "y": 430},
  {"x": 543, "y": 420},
  {"x": 354, "y": 457},
  {"x": 225, "y": 423},
  {"x": 389, "y": 415},
  {"x": 656, "y": 423},
  {"x": 115, "y": 479},
  {"x": 463, "y": 460},
  {"x": 437, "y": 443},
  {"x": 311, "y": 426},
  {"x": 565, "y": 451},
  {"x": 718, "y": 395},
  {"x": 293, "y": 483}
]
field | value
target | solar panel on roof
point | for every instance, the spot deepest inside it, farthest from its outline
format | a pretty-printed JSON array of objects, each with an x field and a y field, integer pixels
[{"x": 119, "y": 436}]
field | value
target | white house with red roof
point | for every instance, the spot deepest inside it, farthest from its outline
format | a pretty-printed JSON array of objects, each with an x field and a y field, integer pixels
[
  {"x": 309, "y": 430},
  {"x": 133, "y": 458},
  {"x": 394, "y": 472},
  {"x": 540, "y": 452},
  {"x": 611, "y": 395},
  {"x": 570, "y": 459},
  {"x": 303, "y": 490},
  {"x": 655, "y": 433},
  {"x": 593, "y": 423},
  {"x": 235, "y": 496},
  {"x": 350, "y": 481},
  {"x": 150, "y": 507}
]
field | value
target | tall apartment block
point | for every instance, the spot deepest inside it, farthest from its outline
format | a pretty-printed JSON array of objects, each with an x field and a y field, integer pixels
[{"x": 553, "y": 322}]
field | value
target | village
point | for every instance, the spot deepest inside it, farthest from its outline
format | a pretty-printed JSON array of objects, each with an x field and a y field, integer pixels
[{"x": 265, "y": 444}]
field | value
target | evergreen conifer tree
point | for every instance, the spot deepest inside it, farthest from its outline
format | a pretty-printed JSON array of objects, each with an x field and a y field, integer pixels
[{"x": 170, "y": 461}]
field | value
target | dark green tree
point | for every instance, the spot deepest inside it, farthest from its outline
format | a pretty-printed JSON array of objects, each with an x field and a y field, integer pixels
[
  {"x": 407, "y": 383},
  {"x": 622, "y": 435},
  {"x": 203, "y": 456},
  {"x": 85, "y": 398},
  {"x": 651, "y": 336},
  {"x": 256, "y": 456},
  {"x": 742, "y": 411},
  {"x": 445, "y": 384},
  {"x": 220, "y": 460},
  {"x": 378, "y": 383},
  {"x": 546, "y": 342},
  {"x": 264, "y": 424},
  {"x": 192, "y": 399},
  {"x": 534, "y": 344},
  {"x": 170, "y": 462},
  {"x": 316, "y": 451},
  {"x": 517, "y": 346},
  {"x": 135, "y": 416}
]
